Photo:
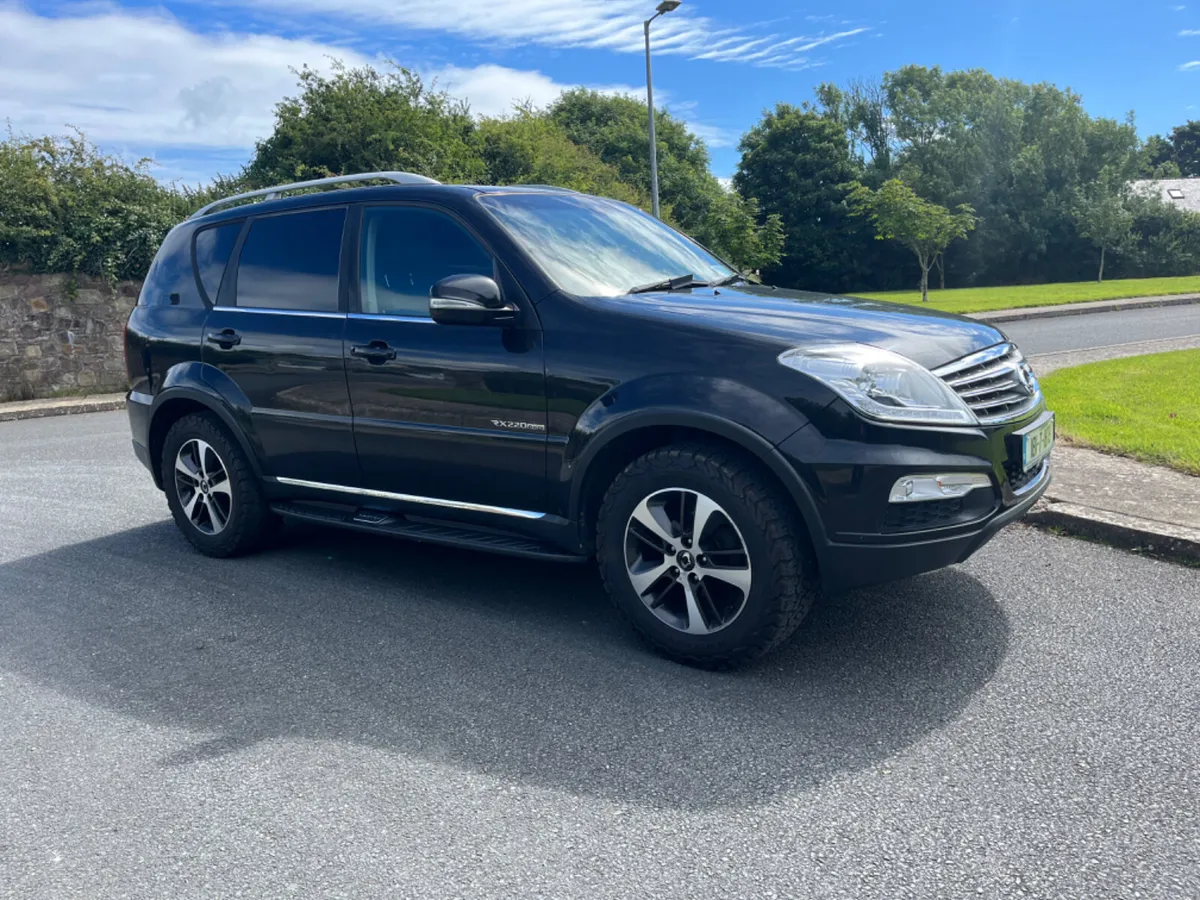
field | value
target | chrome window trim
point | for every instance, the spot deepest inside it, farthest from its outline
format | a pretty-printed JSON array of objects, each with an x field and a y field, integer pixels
[
  {"x": 413, "y": 498},
  {"x": 271, "y": 311},
  {"x": 384, "y": 317}
]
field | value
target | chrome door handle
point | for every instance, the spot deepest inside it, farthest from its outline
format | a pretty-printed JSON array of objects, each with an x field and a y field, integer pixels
[
  {"x": 376, "y": 352},
  {"x": 225, "y": 339}
]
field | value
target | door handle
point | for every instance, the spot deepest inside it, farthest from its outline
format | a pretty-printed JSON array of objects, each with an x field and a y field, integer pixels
[
  {"x": 225, "y": 339},
  {"x": 376, "y": 352}
]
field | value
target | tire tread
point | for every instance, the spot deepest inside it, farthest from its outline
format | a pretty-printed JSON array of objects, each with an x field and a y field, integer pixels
[
  {"x": 253, "y": 522},
  {"x": 789, "y": 557}
]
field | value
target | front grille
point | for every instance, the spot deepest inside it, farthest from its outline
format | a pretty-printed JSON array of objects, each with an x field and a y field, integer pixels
[
  {"x": 923, "y": 514},
  {"x": 997, "y": 383}
]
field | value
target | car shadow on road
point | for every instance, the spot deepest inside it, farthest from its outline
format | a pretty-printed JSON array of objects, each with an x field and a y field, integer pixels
[{"x": 514, "y": 669}]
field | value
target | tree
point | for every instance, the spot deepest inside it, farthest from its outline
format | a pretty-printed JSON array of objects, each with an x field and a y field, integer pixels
[
  {"x": 1017, "y": 153},
  {"x": 531, "y": 148},
  {"x": 67, "y": 207},
  {"x": 1158, "y": 158},
  {"x": 1104, "y": 217},
  {"x": 797, "y": 163},
  {"x": 1185, "y": 140},
  {"x": 364, "y": 120},
  {"x": 613, "y": 128},
  {"x": 862, "y": 110},
  {"x": 924, "y": 228}
]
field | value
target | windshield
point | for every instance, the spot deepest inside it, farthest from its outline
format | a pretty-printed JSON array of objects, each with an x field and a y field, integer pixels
[{"x": 599, "y": 248}]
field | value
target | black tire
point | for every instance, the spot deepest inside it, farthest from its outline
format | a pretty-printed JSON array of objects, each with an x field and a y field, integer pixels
[
  {"x": 250, "y": 521},
  {"x": 783, "y": 587}
]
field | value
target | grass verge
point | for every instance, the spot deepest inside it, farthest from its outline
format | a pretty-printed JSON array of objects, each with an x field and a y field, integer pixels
[
  {"x": 987, "y": 299},
  {"x": 1145, "y": 407}
]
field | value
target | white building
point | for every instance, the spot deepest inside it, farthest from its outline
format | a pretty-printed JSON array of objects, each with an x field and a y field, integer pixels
[{"x": 1183, "y": 193}]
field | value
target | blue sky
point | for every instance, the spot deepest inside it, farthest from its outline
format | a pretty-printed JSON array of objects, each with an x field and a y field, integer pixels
[{"x": 192, "y": 84}]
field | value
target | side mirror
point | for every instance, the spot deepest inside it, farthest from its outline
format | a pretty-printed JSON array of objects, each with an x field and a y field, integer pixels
[{"x": 469, "y": 300}]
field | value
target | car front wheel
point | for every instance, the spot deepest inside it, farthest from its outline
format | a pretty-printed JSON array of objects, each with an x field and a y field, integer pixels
[{"x": 704, "y": 556}]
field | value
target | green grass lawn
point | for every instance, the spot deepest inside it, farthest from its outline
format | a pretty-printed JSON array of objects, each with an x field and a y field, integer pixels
[
  {"x": 1146, "y": 407},
  {"x": 969, "y": 300}
]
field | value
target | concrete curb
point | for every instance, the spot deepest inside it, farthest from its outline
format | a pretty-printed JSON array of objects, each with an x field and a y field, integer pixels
[
  {"x": 40, "y": 409},
  {"x": 1157, "y": 539},
  {"x": 1083, "y": 309}
]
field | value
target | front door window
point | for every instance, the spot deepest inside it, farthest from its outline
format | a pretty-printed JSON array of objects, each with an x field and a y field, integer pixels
[{"x": 405, "y": 251}]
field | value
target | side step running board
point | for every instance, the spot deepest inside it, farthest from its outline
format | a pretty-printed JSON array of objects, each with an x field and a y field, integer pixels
[{"x": 377, "y": 521}]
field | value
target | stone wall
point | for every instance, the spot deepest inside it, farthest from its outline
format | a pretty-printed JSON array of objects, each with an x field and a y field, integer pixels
[{"x": 62, "y": 335}]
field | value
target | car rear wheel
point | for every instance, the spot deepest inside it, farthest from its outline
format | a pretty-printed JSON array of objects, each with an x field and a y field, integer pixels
[
  {"x": 704, "y": 556},
  {"x": 211, "y": 488}
]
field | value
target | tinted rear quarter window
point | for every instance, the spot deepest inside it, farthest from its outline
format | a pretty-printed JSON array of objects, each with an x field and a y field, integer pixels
[
  {"x": 171, "y": 274},
  {"x": 213, "y": 248},
  {"x": 290, "y": 261}
]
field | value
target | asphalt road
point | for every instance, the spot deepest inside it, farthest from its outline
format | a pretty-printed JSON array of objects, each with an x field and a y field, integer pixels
[
  {"x": 1036, "y": 336},
  {"x": 348, "y": 717}
]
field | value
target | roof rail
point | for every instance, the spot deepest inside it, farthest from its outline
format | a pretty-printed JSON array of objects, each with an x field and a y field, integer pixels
[
  {"x": 272, "y": 192},
  {"x": 544, "y": 187}
]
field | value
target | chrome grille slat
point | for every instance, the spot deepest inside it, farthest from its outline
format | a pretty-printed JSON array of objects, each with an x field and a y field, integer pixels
[
  {"x": 994, "y": 371},
  {"x": 1006, "y": 400},
  {"x": 990, "y": 388},
  {"x": 990, "y": 382}
]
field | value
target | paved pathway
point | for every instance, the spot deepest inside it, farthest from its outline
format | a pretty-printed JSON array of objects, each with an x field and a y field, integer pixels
[
  {"x": 1085, "y": 308},
  {"x": 1041, "y": 336},
  {"x": 60, "y": 406},
  {"x": 1046, "y": 363}
]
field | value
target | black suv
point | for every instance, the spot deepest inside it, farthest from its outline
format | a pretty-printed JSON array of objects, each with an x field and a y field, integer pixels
[{"x": 534, "y": 371}]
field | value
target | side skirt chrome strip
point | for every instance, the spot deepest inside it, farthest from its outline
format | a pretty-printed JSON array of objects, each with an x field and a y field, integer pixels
[{"x": 410, "y": 498}]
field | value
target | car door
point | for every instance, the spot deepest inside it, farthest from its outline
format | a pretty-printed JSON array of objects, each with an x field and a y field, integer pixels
[
  {"x": 277, "y": 332},
  {"x": 441, "y": 412}
]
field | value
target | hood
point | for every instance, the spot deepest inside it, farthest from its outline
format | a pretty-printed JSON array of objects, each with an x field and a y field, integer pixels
[{"x": 792, "y": 318}]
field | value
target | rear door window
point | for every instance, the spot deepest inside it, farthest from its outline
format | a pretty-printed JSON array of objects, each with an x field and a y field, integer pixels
[
  {"x": 405, "y": 250},
  {"x": 213, "y": 249},
  {"x": 290, "y": 261}
]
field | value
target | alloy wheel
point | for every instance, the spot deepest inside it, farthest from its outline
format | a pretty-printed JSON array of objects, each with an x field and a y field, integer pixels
[
  {"x": 687, "y": 561},
  {"x": 202, "y": 482}
]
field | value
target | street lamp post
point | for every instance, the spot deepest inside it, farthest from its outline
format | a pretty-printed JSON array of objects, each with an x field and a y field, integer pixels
[{"x": 662, "y": 9}]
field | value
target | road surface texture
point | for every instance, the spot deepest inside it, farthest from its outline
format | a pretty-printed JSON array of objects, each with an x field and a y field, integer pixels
[
  {"x": 1038, "y": 336},
  {"x": 349, "y": 717}
]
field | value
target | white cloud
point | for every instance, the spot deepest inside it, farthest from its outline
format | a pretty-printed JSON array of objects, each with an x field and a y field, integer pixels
[
  {"x": 1189, "y": 66},
  {"x": 146, "y": 79},
  {"x": 493, "y": 90},
  {"x": 714, "y": 135},
  {"x": 614, "y": 25},
  {"x": 144, "y": 83},
  {"x": 1190, "y": 32}
]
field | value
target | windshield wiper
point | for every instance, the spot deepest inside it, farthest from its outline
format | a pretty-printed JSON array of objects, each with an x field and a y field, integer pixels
[{"x": 678, "y": 283}]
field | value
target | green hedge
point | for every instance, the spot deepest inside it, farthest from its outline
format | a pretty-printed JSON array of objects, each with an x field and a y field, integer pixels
[{"x": 65, "y": 207}]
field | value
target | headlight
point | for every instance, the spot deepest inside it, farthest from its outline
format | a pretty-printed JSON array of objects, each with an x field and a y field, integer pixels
[{"x": 881, "y": 384}]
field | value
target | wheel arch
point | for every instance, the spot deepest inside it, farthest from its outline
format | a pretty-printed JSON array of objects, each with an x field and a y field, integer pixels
[
  {"x": 184, "y": 397},
  {"x": 633, "y": 435}
]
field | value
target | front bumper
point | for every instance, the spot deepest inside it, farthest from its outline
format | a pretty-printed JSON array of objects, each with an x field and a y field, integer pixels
[
  {"x": 848, "y": 467},
  {"x": 849, "y": 565}
]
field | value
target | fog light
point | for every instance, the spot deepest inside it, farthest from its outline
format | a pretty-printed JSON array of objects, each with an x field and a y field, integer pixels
[{"x": 915, "y": 488}]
